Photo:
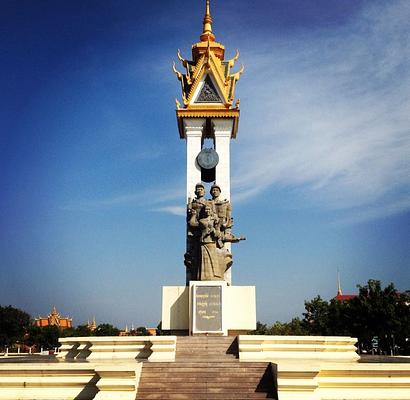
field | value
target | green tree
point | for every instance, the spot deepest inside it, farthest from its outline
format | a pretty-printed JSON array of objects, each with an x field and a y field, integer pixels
[
  {"x": 261, "y": 329},
  {"x": 295, "y": 327},
  {"x": 316, "y": 317},
  {"x": 376, "y": 312},
  {"x": 381, "y": 312},
  {"x": 68, "y": 332},
  {"x": 107, "y": 330},
  {"x": 50, "y": 337},
  {"x": 45, "y": 337},
  {"x": 83, "y": 331},
  {"x": 13, "y": 325},
  {"x": 141, "y": 331},
  {"x": 403, "y": 310}
]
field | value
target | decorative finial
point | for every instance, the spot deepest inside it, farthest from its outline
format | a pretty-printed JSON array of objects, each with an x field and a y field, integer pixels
[
  {"x": 207, "y": 32},
  {"x": 339, "y": 286}
]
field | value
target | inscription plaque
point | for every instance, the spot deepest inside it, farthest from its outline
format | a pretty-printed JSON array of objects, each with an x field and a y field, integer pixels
[{"x": 208, "y": 308}]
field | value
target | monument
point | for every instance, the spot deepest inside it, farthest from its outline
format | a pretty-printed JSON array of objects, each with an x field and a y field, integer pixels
[
  {"x": 208, "y": 120},
  {"x": 205, "y": 367}
]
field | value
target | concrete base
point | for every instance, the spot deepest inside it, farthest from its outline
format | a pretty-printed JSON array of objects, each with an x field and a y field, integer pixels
[
  {"x": 343, "y": 381},
  {"x": 239, "y": 308},
  {"x": 309, "y": 368},
  {"x": 69, "y": 381}
]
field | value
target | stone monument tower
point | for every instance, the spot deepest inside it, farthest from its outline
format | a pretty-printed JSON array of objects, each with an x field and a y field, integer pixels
[{"x": 208, "y": 120}]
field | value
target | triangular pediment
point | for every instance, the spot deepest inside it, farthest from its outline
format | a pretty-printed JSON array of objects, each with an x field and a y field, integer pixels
[{"x": 207, "y": 92}]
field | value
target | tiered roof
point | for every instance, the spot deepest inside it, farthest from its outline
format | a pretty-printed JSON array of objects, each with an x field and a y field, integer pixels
[{"x": 208, "y": 85}]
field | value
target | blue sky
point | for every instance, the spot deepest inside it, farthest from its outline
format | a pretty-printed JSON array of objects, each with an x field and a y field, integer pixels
[{"x": 92, "y": 170}]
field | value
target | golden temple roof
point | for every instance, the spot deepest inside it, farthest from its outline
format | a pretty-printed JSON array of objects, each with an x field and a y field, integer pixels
[{"x": 208, "y": 83}]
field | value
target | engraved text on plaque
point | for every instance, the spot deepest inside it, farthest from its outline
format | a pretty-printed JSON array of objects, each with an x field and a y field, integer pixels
[{"x": 208, "y": 308}]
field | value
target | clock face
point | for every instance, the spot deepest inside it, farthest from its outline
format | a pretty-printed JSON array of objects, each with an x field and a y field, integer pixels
[{"x": 207, "y": 158}]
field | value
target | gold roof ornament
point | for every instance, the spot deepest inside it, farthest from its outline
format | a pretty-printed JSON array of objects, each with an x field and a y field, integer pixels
[
  {"x": 207, "y": 33},
  {"x": 208, "y": 86}
]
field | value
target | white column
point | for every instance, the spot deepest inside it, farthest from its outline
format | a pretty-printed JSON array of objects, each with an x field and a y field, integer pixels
[
  {"x": 193, "y": 128},
  {"x": 223, "y": 132}
]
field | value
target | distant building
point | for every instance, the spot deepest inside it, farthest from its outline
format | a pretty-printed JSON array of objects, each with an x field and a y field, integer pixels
[
  {"x": 152, "y": 331},
  {"x": 54, "y": 319},
  {"x": 340, "y": 296},
  {"x": 92, "y": 326},
  {"x": 125, "y": 332},
  {"x": 141, "y": 331}
]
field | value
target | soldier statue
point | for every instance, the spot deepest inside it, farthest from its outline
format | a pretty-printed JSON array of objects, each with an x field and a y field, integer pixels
[
  {"x": 191, "y": 257},
  {"x": 209, "y": 224}
]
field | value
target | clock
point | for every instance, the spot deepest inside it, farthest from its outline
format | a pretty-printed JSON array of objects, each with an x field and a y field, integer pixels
[{"x": 207, "y": 158}]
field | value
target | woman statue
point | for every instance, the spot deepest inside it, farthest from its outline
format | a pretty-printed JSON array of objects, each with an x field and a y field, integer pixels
[{"x": 213, "y": 265}]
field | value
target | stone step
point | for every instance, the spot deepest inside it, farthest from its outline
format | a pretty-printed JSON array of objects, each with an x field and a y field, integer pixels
[
  {"x": 205, "y": 391},
  {"x": 246, "y": 380},
  {"x": 213, "y": 339},
  {"x": 217, "y": 369},
  {"x": 197, "y": 340},
  {"x": 204, "y": 396},
  {"x": 199, "y": 375},
  {"x": 234, "y": 364},
  {"x": 238, "y": 384},
  {"x": 210, "y": 370},
  {"x": 205, "y": 362},
  {"x": 207, "y": 343},
  {"x": 205, "y": 351},
  {"x": 209, "y": 355},
  {"x": 202, "y": 374},
  {"x": 205, "y": 368},
  {"x": 172, "y": 379},
  {"x": 203, "y": 345}
]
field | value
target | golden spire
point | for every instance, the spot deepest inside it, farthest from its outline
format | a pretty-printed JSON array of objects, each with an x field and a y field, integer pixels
[
  {"x": 207, "y": 34},
  {"x": 339, "y": 286}
]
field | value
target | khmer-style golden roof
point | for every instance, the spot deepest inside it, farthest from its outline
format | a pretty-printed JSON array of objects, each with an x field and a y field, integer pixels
[{"x": 208, "y": 85}]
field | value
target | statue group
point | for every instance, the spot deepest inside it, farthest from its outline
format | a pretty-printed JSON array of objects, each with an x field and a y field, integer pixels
[{"x": 209, "y": 224}]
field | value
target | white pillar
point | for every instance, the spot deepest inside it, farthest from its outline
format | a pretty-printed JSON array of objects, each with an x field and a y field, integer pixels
[
  {"x": 193, "y": 128},
  {"x": 223, "y": 132}
]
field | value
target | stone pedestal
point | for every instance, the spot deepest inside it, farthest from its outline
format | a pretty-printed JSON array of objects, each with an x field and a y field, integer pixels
[{"x": 183, "y": 308}]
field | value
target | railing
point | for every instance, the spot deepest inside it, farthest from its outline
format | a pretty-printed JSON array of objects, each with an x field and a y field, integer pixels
[
  {"x": 152, "y": 348},
  {"x": 265, "y": 347}
]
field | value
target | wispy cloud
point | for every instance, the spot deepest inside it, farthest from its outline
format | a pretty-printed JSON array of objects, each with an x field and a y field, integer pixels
[
  {"x": 375, "y": 212},
  {"x": 329, "y": 115},
  {"x": 145, "y": 198},
  {"x": 175, "y": 210},
  {"x": 153, "y": 152}
]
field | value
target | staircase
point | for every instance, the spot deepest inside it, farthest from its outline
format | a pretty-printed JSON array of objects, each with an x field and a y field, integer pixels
[{"x": 206, "y": 368}]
